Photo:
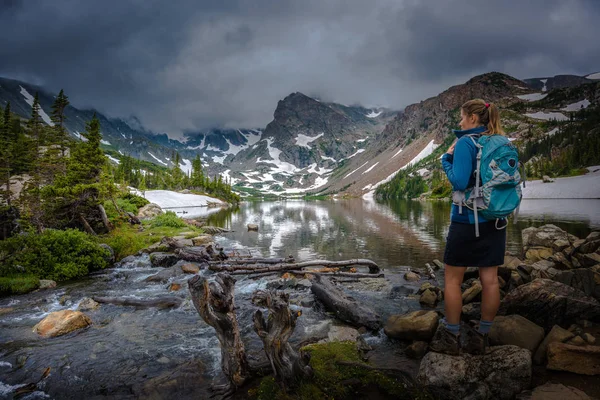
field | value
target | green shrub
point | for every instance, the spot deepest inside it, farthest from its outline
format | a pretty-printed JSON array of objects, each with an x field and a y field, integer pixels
[
  {"x": 53, "y": 254},
  {"x": 125, "y": 241},
  {"x": 10, "y": 285},
  {"x": 136, "y": 200},
  {"x": 169, "y": 219}
]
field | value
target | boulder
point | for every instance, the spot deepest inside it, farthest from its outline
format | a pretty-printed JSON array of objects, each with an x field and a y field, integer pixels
[
  {"x": 411, "y": 277},
  {"x": 150, "y": 211},
  {"x": 341, "y": 333},
  {"x": 47, "y": 284},
  {"x": 586, "y": 260},
  {"x": 190, "y": 268},
  {"x": 545, "y": 236},
  {"x": 62, "y": 322},
  {"x": 554, "y": 391},
  {"x": 544, "y": 269},
  {"x": 547, "y": 179},
  {"x": 577, "y": 341},
  {"x": 417, "y": 325},
  {"x": 110, "y": 257},
  {"x": 589, "y": 338},
  {"x": 517, "y": 331},
  {"x": 202, "y": 240},
  {"x": 589, "y": 246},
  {"x": 557, "y": 334},
  {"x": 165, "y": 274},
  {"x": 87, "y": 304},
  {"x": 252, "y": 227},
  {"x": 584, "y": 360},
  {"x": 471, "y": 312},
  {"x": 471, "y": 293},
  {"x": 511, "y": 262},
  {"x": 548, "y": 303},
  {"x": 429, "y": 298},
  {"x": 534, "y": 254},
  {"x": 400, "y": 291},
  {"x": 561, "y": 261},
  {"x": 164, "y": 260},
  {"x": 502, "y": 373},
  {"x": 417, "y": 350},
  {"x": 582, "y": 279}
]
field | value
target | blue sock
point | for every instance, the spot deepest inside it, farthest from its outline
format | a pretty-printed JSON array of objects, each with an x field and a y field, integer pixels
[
  {"x": 453, "y": 328},
  {"x": 485, "y": 326}
]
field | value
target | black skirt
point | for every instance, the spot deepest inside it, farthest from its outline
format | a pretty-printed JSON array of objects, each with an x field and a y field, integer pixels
[{"x": 464, "y": 249}]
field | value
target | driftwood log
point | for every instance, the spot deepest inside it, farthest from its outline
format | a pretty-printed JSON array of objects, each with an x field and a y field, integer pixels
[
  {"x": 373, "y": 267},
  {"x": 355, "y": 275},
  {"x": 260, "y": 261},
  {"x": 215, "y": 303},
  {"x": 161, "y": 302},
  {"x": 345, "y": 307},
  {"x": 107, "y": 224},
  {"x": 288, "y": 365},
  {"x": 430, "y": 271}
]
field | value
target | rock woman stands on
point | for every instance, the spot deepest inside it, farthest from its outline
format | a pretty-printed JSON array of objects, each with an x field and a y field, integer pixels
[{"x": 463, "y": 248}]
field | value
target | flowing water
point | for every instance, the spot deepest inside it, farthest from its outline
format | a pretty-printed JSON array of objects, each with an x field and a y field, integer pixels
[{"x": 141, "y": 353}]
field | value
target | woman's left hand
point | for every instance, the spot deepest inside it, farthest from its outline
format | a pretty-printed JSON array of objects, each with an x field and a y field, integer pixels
[{"x": 451, "y": 148}]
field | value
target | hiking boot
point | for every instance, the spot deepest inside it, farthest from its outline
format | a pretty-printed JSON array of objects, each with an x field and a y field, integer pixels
[
  {"x": 445, "y": 341},
  {"x": 476, "y": 342}
]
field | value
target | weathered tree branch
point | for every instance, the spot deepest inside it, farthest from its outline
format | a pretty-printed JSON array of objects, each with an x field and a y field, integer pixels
[
  {"x": 161, "y": 302},
  {"x": 289, "y": 366},
  {"x": 234, "y": 261},
  {"x": 345, "y": 307},
  {"x": 373, "y": 267},
  {"x": 215, "y": 303},
  {"x": 105, "y": 221},
  {"x": 86, "y": 225}
]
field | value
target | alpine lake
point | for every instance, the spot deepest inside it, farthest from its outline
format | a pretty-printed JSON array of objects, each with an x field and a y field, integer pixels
[{"x": 150, "y": 353}]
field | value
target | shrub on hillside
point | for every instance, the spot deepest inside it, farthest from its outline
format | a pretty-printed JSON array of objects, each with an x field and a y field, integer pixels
[
  {"x": 169, "y": 219},
  {"x": 53, "y": 254},
  {"x": 10, "y": 285}
]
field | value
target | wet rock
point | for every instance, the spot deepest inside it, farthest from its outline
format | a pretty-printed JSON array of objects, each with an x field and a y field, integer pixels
[
  {"x": 500, "y": 374},
  {"x": 417, "y": 325},
  {"x": 417, "y": 350},
  {"x": 548, "y": 303},
  {"x": 471, "y": 293},
  {"x": 62, "y": 322},
  {"x": 583, "y": 360},
  {"x": 517, "y": 331},
  {"x": 174, "y": 287},
  {"x": 429, "y": 298},
  {"x": 202, "y": 240},
  {"x": 149, "y": 211},
  {"x": 545, "y": 236},
  {"x": 340, "y": 333},
  {"x": 164, "y": 260},
  {"x": 411, "y": 277},
  {"x": 165, "y": 274},
  {"x": 554, "y": 391},
  {"x": 557, "y": 334},
  {"x": 577, "y": 341},
  {"x": 252, "y": 227},
  {"x": 438, "y": 264},
  {"x": 589, "y": 338},
  {"x": 87, "y": 304},
  {"x": 156, "y": 247},
  {"x": 190, "y": 268},
  {"x": 6, "y": 310},
  {"x": 303, "y": 284},
  {"x": 62, "y": 300},
  {"x": 47, "y": 284},
  {"x": 307, "y": 302},
  {"x": 401, "y": 291},
  {"x": 110, "y": 258}
]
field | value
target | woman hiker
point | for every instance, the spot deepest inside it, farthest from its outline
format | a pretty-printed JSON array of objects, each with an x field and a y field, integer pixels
[{"x": 463, "y": 248}]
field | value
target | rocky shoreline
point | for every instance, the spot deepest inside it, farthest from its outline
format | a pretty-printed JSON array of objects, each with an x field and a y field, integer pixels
[{"x": 549, "y": 317}]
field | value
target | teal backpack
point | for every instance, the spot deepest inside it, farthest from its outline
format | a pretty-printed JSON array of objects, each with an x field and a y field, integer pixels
[{"x": 497, "y": 192}]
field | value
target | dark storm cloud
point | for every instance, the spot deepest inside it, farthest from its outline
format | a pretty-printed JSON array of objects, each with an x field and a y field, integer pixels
[{"x": 187, "y": 65}]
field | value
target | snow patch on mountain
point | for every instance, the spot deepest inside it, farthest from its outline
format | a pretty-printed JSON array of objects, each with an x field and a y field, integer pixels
[
  {"x": 116, "y": 161},
  {"x": 594, "y": 76},
  {"x": 228, "y": 177},
  {"x": 577, "y": 106},
  {"x": 186, "y": 167},
  {"x": 219, "y": 160},
  {"x": 552, "y": 132},
  {"x": 282, "y": 166},
  {"x": 370, "y": 168},
  {"x": 106, "y": 142},
  {"x": 424, "y": 153},
  {"x": 29, "y": 100},
  {"x": 548, "y": 116},
  {"x": 303, "y": 140},
  {"x": 533, "y": 96},
  {"x": 544, "y": 81},
  {"x": 350, "y": 173},
  {"x": 398, "y": 152},
  {"x": 353, "y": 154},
  {"x": 328, "y": 158},
  {"x": 158, "y": 159},
  {"x": 373, "y": 114}
]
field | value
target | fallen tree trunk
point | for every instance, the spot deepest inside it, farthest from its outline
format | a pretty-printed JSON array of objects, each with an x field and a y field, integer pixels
[
  {"x": 215, "y": 303},
  {"x": 373, "y": 267},
  {"x": 105, "y": 221},
  {"x": 332, "y": 274},
  {"x": 86, "y": 225},
  {"x": 161, "y": 302},
  {"x": 231, "y": 262},
  {"x": 345, "y": 307},
  {"x": 289, "y": 367}
]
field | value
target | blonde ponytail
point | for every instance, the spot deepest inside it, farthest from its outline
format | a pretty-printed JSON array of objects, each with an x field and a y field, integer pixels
[{"x": 488, "y": 114}]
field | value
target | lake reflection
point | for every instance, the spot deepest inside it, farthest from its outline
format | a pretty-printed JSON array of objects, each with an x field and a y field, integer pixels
[{"x": 396, "y": 233}]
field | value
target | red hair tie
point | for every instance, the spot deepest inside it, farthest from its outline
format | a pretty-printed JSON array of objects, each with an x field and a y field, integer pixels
[{"x": 487, "y": 105}]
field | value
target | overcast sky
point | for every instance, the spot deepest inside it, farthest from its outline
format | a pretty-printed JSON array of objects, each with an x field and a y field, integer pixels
[{"x": 186, "y": 65}]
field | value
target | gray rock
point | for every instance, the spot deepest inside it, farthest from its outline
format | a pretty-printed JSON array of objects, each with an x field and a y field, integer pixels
[
  {"x": 548, "y": 303},
  {"x": 411, "y": 277},
  {"x": 502, "y": 373},
  {"x": 110, "y": 258},
  {"x": 554, "y": 391},
  {"x": 582, "y": 279},
  {"x": 417, "y": 325},
  {"x": 517, "y": 331},
  {"x": 164, "y": 260},
  {"x": 303, "y": 284},
  {"x": 340, "y": 333},
  {"x": 47, "y": 284},
  {"x": 307, "y": 302},
  {"x": 557, "y": 334},
  {"x": 165, "y": 274},
  {"x": 252, "y": 227},
  {"x": 545, "y": 236},
  {"x": 149, "y": 211},
  {"x": 401, "y": 291},
  {"x": 583, "y": 360},
  {"x": 87, "y": 304},
  {"x": 429, "y": 298}
]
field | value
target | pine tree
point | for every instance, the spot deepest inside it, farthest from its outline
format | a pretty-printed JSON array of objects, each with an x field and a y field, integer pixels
[
  {"x": 58, "y": 117},
  {"x": 197, "y": 176},
  {"x": 6, "y": 144}
]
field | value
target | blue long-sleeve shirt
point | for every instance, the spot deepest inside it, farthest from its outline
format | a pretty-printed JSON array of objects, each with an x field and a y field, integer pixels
[{"x": 459, "y": 169}]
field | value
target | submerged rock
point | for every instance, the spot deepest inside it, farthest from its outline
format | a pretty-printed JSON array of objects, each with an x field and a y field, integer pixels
[
  {"x": 164, "y": 260},
  {"x": 583, "y": 360},
  {"x": 412, "y": 277},
  {"x": 190, "y": 268},
  {"x": 202, "y": 240},
  {"x": 417, "y": 325},
  {"x": 165, "y": 274},
  {"x": 502, "y": 373},
  {"x": 87, "y": 304},
  {"x": 62, "y": 322}
]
